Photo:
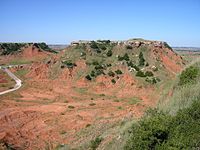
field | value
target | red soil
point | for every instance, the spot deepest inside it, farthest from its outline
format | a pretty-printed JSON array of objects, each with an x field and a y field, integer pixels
[
  {"x": 41, "y": 117},
  {"x": 172, "y": 61}
]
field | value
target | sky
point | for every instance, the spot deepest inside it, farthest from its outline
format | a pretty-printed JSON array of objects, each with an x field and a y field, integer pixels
[{"x": 63, "y": 21}]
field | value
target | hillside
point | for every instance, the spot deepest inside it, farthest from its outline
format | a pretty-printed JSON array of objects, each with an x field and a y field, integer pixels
[
  {"x": 14, "y": 48},
  {"x": 175, "y": 123},
  {"x": 89, "y": 89},
  {"x": 17, "y": 53}
]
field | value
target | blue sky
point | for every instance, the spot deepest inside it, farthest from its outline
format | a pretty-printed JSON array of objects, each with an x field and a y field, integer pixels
[{"x": 62, "y": 21}]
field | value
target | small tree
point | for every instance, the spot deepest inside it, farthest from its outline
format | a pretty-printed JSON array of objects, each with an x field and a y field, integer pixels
[
  {"x": 110, "y": 73},
  {"x": 94, "y": 45},
  {"x": 129, "y": 47},
  {"x": 141, "y": 59},
  {"x": 88, "y": 77},
  {"x": 113, "y": 81},
  {"x": 140, "y": 74},
  {"x": 109, "y": 53},
  {"x": 149, "y": 73},
  {"x": 189, "y": 75},
  {"x": 118, "y": 71},
  {"x": 126, "y": 57}
]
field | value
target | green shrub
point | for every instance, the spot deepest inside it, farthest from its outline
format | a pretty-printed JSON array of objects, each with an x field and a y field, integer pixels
[
  {"x": 136, "y": 68},
  {"x": 125, "y": 57},
  {"x": 130, "y": 63},
  {"x": 141, "y": 59},
  {"x": 95, "y": 63},
  {"x": 102, "y": 46},
  {"x": 118, "y": 72},
  {"x": 97, "y": 67},
  {"x": 109, "y": 53},
  {"x": 148, "y": 73},
  {"x": 111, "y": 73},
  {"x": 71, "y": 107},
  {"x": 92, "y": 74},
  {"x": 113, "y": 81},
  {"x": 140, "y": 74},
  {"x": 94, "y": 45},
  {"x": 189, "y": 75},
  {"x": 69, "y": 64},
  {"x": 99, "y": 72},
  {"x": 10, "y": 48},
  {"x": 158, "y": 130},
  {"x": 104, "y": 41},
  {"x": 129, "y": 47},
  {"x": 151, "y": 80},
  {"x": 95, "y": 143},
  {"x": 88, "y": 77}
]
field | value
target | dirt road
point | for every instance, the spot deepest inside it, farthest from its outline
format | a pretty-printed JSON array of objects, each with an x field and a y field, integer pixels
[{"x": 17, "y": 80}]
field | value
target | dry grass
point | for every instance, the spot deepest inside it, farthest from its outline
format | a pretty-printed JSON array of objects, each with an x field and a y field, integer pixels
[{"x": 182, "y": 96}]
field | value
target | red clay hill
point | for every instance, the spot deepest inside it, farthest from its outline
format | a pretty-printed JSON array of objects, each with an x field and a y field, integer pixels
[
  {"x": 89, "y": 85},
  {"x": 23, "y": 52}
]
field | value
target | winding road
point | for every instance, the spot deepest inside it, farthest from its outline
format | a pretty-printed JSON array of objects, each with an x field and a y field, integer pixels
[{"x": 17, "y": 80}]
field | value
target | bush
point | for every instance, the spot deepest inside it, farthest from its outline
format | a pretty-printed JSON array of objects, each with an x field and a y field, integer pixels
[
  {"x": 71, "y": 107},
  {"x": 136, "y": 68},
  {"x": 109, "y": 53},
  {"x": 98, "y": 67},
  {"x": 95, "y": 73},
  {"x": 95, "y": 63},
  {"x": 158, "y": 130},
  {"x": 102, "y": 46},
  {"x": 118, "y": 71},
  {"x": 69, "y": 64},
  {"x": 88, "y": 77},
  {"x": 189, "y": 75},
  {"x": 130, "y": 63},
  {"x": 95, "y": 143},
  {"x": 94, "y": 45},
  {"x": 104, "y": 41},
  {"x": 125, "y": 57},
  {"x": 10, "y": 48},
  {"x": 92, "y": 74},
  {"x": 140, "y": 74},
  {"x": 141, "y": 59},
  {"x": 151, "y": 80},
  {"x": 129, "y": 47},
  {"x": 99, "y": 72},
  {"x": 113, "y": 81},
  {"x": 148, "y": 74},
  {"x": 110, "y": 73}
]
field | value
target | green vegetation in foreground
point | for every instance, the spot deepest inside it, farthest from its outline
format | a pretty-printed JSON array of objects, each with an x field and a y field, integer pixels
[
  {"x": 158, "y": 130},
  {"x": 185, "y": 90},
  {"x": 95, "y": 143},
  {"x": 189, "y": 75},
  {"x": 175, "y": 125}
]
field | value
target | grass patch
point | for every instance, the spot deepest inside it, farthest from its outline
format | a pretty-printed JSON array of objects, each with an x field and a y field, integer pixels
[{"x": 21, "y": 72}]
